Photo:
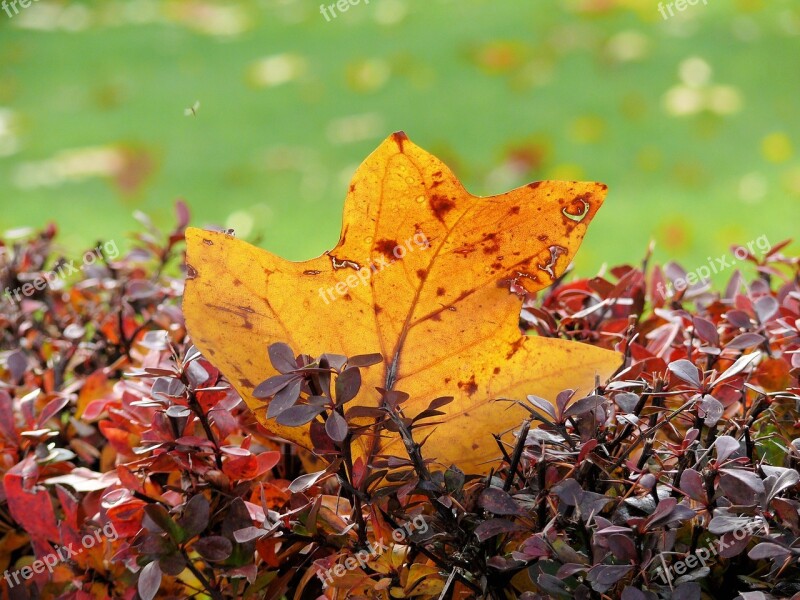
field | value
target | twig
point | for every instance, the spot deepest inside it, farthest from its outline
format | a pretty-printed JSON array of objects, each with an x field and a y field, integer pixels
[{"x": 518, "y": 449}]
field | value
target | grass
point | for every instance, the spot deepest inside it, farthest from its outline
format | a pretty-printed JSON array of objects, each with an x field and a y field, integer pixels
[{"x": 467, "y": 80}]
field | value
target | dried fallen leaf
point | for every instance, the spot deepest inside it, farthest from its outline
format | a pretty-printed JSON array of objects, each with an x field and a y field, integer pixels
[{"x": 425, "y": 274}]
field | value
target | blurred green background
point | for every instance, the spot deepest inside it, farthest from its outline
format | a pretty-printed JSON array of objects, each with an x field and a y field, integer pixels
[{"x": 691, "y": 120}]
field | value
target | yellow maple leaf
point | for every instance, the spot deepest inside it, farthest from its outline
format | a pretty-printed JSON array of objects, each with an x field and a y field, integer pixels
[{"x": 423, "y": 274}]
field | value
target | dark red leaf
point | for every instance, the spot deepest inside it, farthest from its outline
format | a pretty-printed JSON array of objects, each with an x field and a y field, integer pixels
[
  {"x": 282, "y": 357},
  {"x": 692, "y": 485},
  {"x": 706, "y": 330},
  {"x": 336, "y": 427},
  {"x": 149, "y": 581},
  {"x": 686, "y": 371},
  {"x": 270, "y": 387},
  {"x": 745, "y": 340},
  {"x": 364, "y": 360},
  {"x": 584, "y": 406},
  {"x": 769, "y": 550},
  {"x": 603, "y": 577},
  {"x": 214, "y": 548},
  {"x": 194, "y": 518},
  {"x": 299, "y": 414},
  {"x": 285, "y": 398},
  {"x": 498, "y": 502},
  {"x": 347, "y": 385}
]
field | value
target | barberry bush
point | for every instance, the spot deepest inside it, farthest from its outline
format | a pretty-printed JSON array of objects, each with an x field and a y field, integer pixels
[{"x": 132, "y": 469}]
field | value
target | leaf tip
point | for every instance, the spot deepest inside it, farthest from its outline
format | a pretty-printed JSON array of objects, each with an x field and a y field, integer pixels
[{"x": 399, "y": 138}]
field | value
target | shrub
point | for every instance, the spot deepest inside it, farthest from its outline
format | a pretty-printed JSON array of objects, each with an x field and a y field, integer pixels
[{"x": 131, "y": 467}]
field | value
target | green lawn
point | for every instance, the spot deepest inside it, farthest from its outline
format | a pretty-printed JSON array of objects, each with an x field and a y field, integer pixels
[{"x": 506, "y": 92}]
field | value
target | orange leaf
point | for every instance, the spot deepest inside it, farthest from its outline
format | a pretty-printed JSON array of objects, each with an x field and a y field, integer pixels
[
  {"x": 424, "y": 274},
  {"x": 95, "y": 387}
]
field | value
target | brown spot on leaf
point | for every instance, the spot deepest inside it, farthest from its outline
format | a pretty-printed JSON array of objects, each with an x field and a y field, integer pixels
[
  {"x": 514, "y": 210},
  {"x": 441, "y": 205},
  {"x": 515, "y": 346},
  {"x": 246, "y": 383},
  {"x": 469, "y": 386},
  {"x": 422, "y": 273},
  {"x": 386, "y": 247},
  {"x": 534, "y": 185},
  {"x": 494, "y": 246},
  {"x": 311, "y": 272},
  {"x": 440, "y": 291},
  {"x": 400, "y": 138},
  {"x": 496, "y": 370},
  {"x": 208, "y": 242}
]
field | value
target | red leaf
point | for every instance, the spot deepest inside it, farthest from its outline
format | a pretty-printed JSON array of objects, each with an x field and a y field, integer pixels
[
  {"x": 29, "y": 504},
  {"x": 267, "y": 460},
  {"x": 7, "y": 426},
  {"x": 241, "y": 467}
]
